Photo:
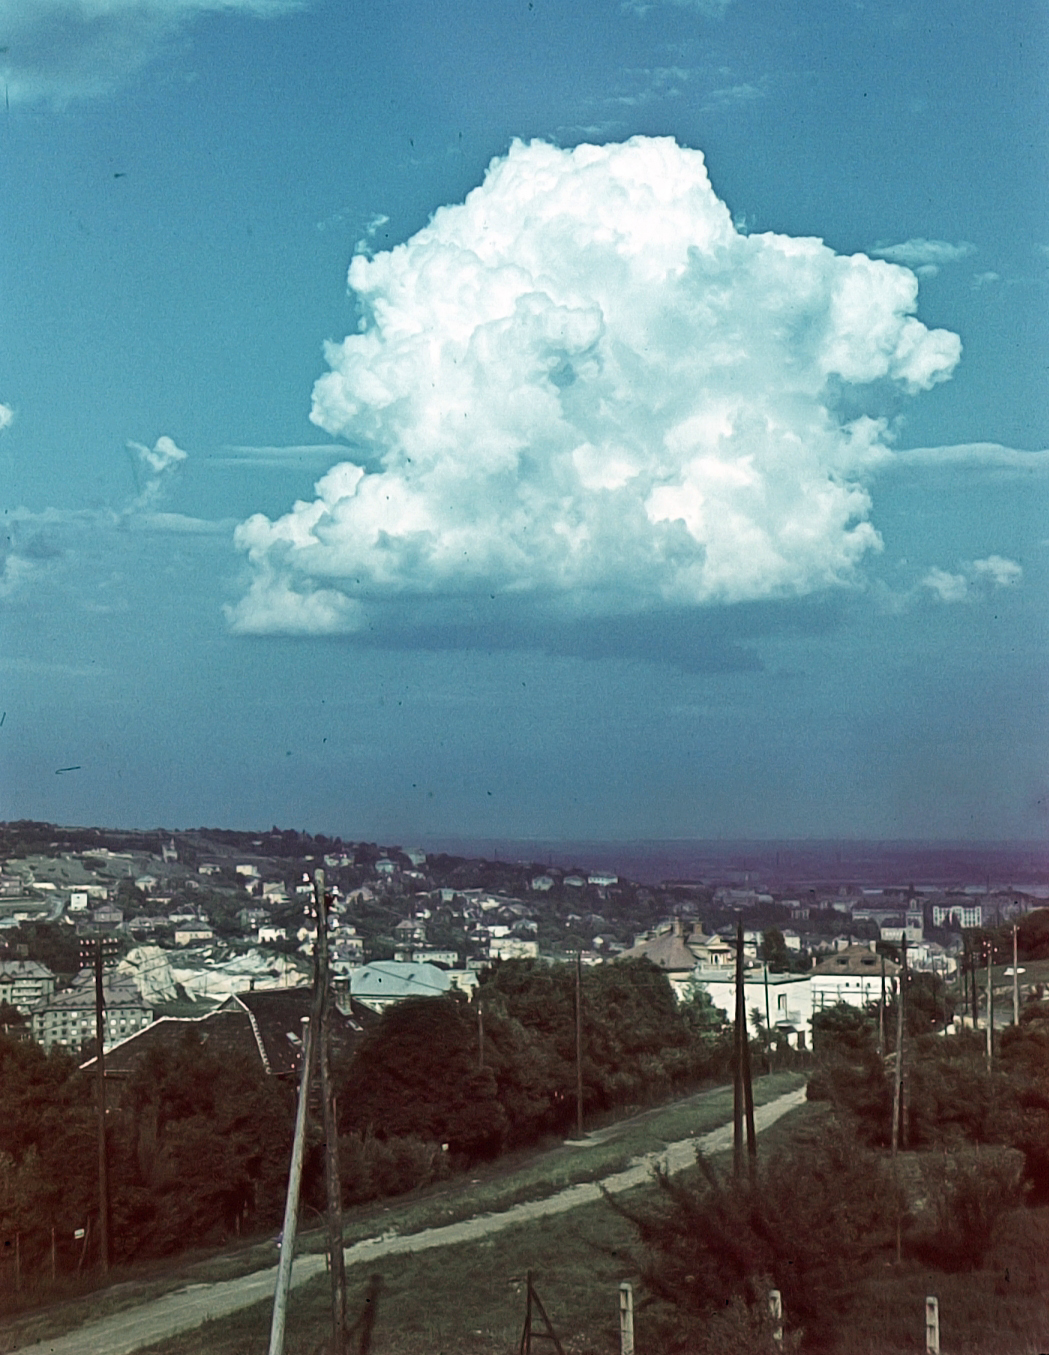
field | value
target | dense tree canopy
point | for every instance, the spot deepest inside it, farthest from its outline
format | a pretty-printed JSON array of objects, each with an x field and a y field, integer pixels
[
  {"x": 198, "y": 1148},
  {"x": 501, "y": 1069}
]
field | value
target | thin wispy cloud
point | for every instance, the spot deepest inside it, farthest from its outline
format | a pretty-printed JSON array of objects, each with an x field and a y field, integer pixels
[
  {"x": 976, "y": 454},
  {"x": 68, "y": 49},
  {"x": 732, "y": 95},
  {"x": 647, "y": 84},
  {"x": 289, "y": 457},
  {"x": 926, "y": 257},
  {"x": 39, "y": 543},
  {"x": 7, "y": 417},
  {"x": 584, "y": 387},
  {"x": 991, "y": 573},
  {"x": 708, "y": 9}
]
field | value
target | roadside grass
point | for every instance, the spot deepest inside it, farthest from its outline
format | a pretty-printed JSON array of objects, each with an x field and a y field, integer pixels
[
  {"x": 470, "y": 1297},
  {"x": 530, "y": 1175},
  {"x": 1002, "y": 1309},
  {"x": 467, "y": 1299},
  {"x": 42, "y": 1310}
]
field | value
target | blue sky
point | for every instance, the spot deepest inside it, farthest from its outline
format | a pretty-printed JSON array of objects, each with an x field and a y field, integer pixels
[{"x": 675, "y": 464}]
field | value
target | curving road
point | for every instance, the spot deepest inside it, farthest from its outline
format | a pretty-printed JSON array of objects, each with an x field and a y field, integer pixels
[{"x": 187, "y": 1308}]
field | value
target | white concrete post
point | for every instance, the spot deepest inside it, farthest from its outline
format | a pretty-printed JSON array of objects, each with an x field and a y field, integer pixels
[
  {"x": 932, "y": 1325},
  {"x": 776, "y": 1313},
  {"x": 626, "y": 1319}
]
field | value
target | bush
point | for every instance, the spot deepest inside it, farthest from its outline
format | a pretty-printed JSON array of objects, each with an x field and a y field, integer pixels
[
  {"x": 970, "y": 1199},
  {"x": 802, "y": 1224},
  {"x": 372, "y": 1168}
]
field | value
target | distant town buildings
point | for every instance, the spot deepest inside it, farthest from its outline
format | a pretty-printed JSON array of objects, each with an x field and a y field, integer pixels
[
  {"x": 68, "y": 1018},
  {"x": 962, "y": 915},
  {"x": 25, "y": 983},
  {"x": 852, "y": 975}
]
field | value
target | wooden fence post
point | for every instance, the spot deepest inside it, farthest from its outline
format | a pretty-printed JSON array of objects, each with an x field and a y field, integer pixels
[
  {"x": 932, "y": 1326},
  {"x": 626, "y": 1319},
  {"x": 776, "y": 1313}
]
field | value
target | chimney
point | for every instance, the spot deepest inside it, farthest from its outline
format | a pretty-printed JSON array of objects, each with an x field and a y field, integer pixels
[{"x": 678, "y": 929}]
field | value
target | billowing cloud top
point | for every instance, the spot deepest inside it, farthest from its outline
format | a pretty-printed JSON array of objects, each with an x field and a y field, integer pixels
[
  {"x": 7, "y": 417},
  {"x": 62, "y": 49},
  {"x": 582, "y": 385}
]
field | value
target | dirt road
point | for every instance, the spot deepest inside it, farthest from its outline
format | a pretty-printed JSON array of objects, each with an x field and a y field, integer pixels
[{"x": 184, "y": 1309}]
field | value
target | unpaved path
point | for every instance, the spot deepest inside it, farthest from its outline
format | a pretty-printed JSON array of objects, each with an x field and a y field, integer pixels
[{"x": 187, "y": 1308}]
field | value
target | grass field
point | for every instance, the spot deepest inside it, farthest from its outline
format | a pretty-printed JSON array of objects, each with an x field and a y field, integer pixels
[
  {"x": 527, "y": 1175},
  {"x": 470, "y": 1299}
]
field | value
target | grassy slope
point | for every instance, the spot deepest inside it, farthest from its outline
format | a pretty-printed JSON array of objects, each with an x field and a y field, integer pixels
[
  {"x": 470, "y": 1298},
  {"x": 526, "y": 1175}
]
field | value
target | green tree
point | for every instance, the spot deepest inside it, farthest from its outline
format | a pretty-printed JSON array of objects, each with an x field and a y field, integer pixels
[
  {"x": 200, "y": 1149},
  {"x": 418, "y": 1073},
  {"x": 806, "y": 1220},
  {"x": 774, "y": 951}
]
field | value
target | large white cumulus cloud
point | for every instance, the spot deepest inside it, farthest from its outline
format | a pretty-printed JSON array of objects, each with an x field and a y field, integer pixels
[{"x": 584, "y": 385}]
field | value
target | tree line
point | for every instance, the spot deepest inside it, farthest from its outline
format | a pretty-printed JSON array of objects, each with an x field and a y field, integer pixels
[{"x": 198, "y": 1145}]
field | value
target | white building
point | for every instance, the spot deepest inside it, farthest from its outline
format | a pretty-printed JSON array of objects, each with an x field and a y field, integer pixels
[
  {"x": 784, "y": 1001},
  {"x": 68, "y": 1018},
  {"x": 23, "y": 983},
  {"x": 852, "y": 975},
  {"x": 513, "y": 948},
  {"x": 962, "y": 915}
]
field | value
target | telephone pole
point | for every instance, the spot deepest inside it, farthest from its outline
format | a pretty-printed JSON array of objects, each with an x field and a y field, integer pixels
[
  {"x": 1016, "y": 979},
  {"x": 737, "y": 1061},
  {"x": 97, "y": 951},
  {"x": 881, "y": 1013},
  {"x": 332, "y": 1179},
  {"x": 897, "y": 1086},
  {"x": 990, "y": 1006},
  {"x": 291, "y": 1203},
  {"x": 579, "y": 1044}
]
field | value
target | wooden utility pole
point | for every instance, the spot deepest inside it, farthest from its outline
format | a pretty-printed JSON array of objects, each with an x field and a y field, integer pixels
[
  {"x": 480, "y": 1034},
  {"x": 990, "y": 1006},
  {"x": 881, "y": 1013},
  {"x": 332, "y": 1179},
  {"x": 748, "y": 1082},
  {"x": 737, "y": 1060},
  {"x": 579, "y": 1044},
  {"x": 291, "y": 1204},
  {"x": 96, "y": 950},
  {"x": 768, "y": 1023},
  {"x": 897, "y": 1085},
  {"x": 1016, "y": 979}
]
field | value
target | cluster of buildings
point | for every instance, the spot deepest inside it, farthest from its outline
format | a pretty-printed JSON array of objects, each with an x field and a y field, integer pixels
[
  {"x": 783, "y": 1003},
  {"x": 268, "y": 933}
]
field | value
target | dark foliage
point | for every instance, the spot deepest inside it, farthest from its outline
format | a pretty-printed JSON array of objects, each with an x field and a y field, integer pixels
[
  {"x": 421, "y": 1073},
  {"x": 198, "y": 1149},
  {"x": 971, "y": 1198},
  {"x": 804, "y": 1224}
]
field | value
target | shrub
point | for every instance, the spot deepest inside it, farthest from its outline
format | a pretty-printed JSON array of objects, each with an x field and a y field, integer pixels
[
  {"x": 970, "y": 1199},
  {"x": 802, "y": 1224},
  {"x": 372, "y": 1168}
]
